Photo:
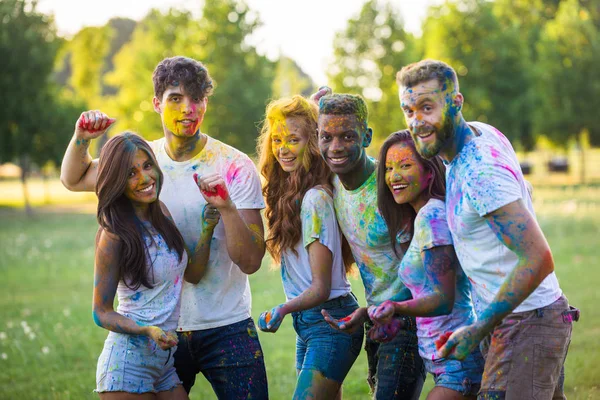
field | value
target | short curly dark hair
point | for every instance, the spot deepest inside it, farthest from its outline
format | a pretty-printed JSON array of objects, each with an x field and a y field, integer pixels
[
  {"x": 342, "y": 104},
  {"x": 185, "y": 71}
]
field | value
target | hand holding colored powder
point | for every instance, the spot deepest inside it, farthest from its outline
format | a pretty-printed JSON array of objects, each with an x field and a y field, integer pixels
[
  {"x": 92, "y": 124},
  {"x": 442, "y": 340},
  {"x": 269, "y": 321},
  {"x": 213, "y": 189}
]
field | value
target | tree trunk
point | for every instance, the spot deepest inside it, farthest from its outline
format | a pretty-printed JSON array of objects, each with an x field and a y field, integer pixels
[{"x": 24, "y": 162}]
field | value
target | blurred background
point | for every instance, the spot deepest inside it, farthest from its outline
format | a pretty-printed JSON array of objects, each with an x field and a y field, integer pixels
[{"x": 530, "y": 68}]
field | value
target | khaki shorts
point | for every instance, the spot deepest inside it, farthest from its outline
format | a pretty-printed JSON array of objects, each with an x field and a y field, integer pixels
[{"x": 525, "y": 353}]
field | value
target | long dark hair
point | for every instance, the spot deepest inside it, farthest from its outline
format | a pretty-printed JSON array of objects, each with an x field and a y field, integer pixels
[
  {"x": 116, "y": 214},
  {"x": 401, "y": 217},
  {"x": 284, "y": 191}
]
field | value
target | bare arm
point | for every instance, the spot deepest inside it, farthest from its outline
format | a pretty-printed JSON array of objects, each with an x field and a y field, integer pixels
[
  {"x": 518, "y": 230},
  {"x": 244, "y": 231},
  {"x": 440, "y": 265},
  {"x": 106, "y": 280},
  {"x": 78, "y": 170},
  {"x": 199, "y": 255},
  {"x": 321, "y": 261}
]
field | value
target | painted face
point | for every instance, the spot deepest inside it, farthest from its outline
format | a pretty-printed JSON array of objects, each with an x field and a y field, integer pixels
[
  {"x": 405, "y": 175},
  {"x": 182, "y": 114},
  {"x": 428, "y": 110},
  {"x": 142, "y": 183},
  {"x": 288, "y": 142},
  {"x": 342, "y": 139}
]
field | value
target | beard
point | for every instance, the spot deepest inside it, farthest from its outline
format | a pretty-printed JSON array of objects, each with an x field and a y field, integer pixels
[{"x": 443, "y": 135}]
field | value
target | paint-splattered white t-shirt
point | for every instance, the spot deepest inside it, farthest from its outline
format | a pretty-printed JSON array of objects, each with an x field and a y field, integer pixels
[
  {"x": 367, "y": 233},
  {"x": 159, "y": 305},
  {"x": 482, "y": 178},
  {"x": 318, "y": 223},
  {"x": 431, "y": 230},
  {"x": 222, "y": 297}
]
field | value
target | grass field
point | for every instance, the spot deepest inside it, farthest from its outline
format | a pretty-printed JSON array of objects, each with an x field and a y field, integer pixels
[{"x": 49, "y": 344}]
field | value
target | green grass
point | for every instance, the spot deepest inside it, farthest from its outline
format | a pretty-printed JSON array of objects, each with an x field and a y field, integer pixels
[{"x": 49, "y": 344}]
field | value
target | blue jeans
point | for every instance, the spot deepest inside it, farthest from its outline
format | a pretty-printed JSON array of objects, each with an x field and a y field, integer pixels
[
  {"x": 230, "y": 357},
  {"x": 396, "y": 369},
  {"x": 320, "y": 347}
]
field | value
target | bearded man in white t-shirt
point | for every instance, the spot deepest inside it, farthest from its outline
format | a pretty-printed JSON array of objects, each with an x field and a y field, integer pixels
[
  {"x": 497, "y": 239},
  {"x": 216, "y": 334}
]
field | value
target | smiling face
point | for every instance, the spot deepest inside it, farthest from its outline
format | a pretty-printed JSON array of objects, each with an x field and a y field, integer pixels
[
  {"x": 342, "y": 140},
  {"x": 289, "y": 139},
  {"x": 142, "y": 181},
  {"x": 429, "y": 111},
  {"x": 181, "y": 113},
  {"x": 405, "y": 175}
]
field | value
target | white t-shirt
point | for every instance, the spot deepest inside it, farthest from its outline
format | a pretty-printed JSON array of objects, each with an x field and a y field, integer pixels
[
  {"x": 367, "y": 233},
  {"x": 318, "y": 223},
  {"x": 222, "y": 297},
  {"x": 431, "y": 230},
  {"x": 482, "y": 178}
]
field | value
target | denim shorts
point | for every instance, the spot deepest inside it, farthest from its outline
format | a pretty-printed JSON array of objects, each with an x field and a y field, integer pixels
[
  {"x": 320, "y": 347},
  {"x": 230, "y": 357},
  {"x": 134, "y": 364},
  {"x": 461, "y": 376}
]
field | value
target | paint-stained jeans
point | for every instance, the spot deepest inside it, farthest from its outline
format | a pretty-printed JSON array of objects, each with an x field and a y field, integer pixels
[
  {"x": 320, "y": 347},
  {"x": 396, "y": 370},
  {"x": 230, "y": 357},
  {"x": 525, "y": 355}
]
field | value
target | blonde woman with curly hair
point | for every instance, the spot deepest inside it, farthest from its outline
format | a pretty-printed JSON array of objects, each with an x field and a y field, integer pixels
[{"x": 305, "y": 240}]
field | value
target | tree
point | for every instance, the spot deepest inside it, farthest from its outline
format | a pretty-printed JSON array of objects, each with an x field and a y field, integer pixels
[
  {"x": 290, "y": 79},
  {"x": 367, "y": 55},
  {"x": 28, "y": 48},
  {"x": 492, "y": 61},
  {"x": 243, "y": 77},
  {"x": 569, "y": 55},
  {"x": 133, "y": 67}
]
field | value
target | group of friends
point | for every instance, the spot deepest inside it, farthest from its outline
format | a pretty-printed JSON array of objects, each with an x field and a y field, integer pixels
[{"x": 459, "y": 279}]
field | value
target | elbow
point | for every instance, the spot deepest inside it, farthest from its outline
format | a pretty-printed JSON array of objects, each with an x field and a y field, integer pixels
[
  {"x": 444, "y": 306},
  {"x": 250, "y": 267},
  {"x": 96, "y": 317},
  {"x": 66, "y": 183}
]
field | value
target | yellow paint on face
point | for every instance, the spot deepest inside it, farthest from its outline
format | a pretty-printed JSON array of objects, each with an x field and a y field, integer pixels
[
  {"x": 289, "y": 140},
  {"x": 182, "y": 114}
]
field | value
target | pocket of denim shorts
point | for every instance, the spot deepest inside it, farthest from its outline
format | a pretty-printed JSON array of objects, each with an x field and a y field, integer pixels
[{"x": 547, "y": 362}]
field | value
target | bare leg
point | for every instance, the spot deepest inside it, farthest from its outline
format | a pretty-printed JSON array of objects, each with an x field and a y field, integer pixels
[
  {"x": 442, "y": 393},
  {"x": 313, "y": 385},
  {"x": 126, "y": 396},
  {"x": 177, "y": 393}
]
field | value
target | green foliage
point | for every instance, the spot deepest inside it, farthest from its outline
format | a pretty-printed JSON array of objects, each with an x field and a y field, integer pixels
[
  {"x": 243, "y": 77},
  {"x": 89, "y": 49},
  {"x": 27, "y": 49},
  {"x": 492, "y": 62},
  {"x": 290, "y": 80},
  {"x": 367, "y": 55},
  {"x": 569, "y": 55},
  {"x": 133, "y": 67}
]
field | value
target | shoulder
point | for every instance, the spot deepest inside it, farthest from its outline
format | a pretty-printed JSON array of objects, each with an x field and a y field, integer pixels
[
  {"x": 431, "y": 213},
  {"x": 165, "y": 210},
  {"x": 225, "y": 151},
  {"x": 107, "y": 240},
  {"x": 316, "y": 197}
]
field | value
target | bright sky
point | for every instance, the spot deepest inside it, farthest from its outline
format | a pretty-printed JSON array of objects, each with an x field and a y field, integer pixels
[{"x": 302, "y": 30}]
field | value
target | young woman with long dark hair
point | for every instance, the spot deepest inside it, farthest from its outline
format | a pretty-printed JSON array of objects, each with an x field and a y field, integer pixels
[
  {"x": 304, "y": 238},
  {"x": 411, "y": 194},
  {"x": 140, "y": 257}
]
